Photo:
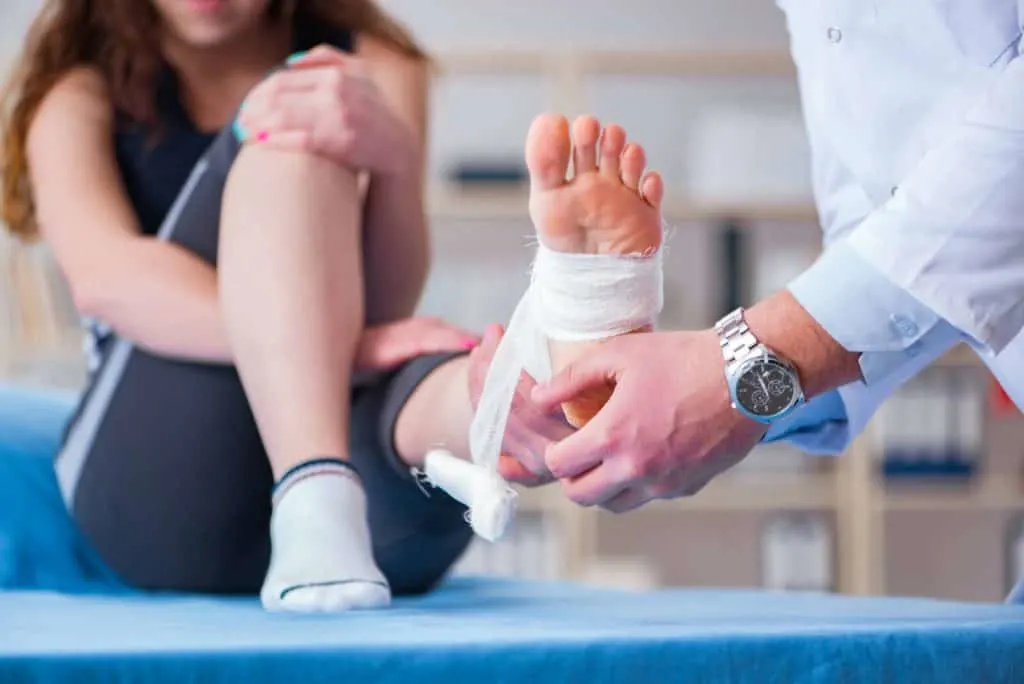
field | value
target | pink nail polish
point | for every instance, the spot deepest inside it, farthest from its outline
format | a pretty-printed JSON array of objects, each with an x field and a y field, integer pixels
[
  {"x": 262, "y": 136},
  {"x": 469, "y": 345}
]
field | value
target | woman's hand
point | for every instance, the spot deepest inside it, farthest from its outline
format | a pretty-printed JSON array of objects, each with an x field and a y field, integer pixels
[
  {"x": 325, "y": 102},
  {"x": 530, "y": 430},
  {"x": 385, "y": 347}
]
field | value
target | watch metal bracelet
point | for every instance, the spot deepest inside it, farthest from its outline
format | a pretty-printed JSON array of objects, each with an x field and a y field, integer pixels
[{"x": 737, "y": 342}]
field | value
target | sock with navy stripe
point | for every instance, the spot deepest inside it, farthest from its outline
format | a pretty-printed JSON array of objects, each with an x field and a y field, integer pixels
[{"x": 321, "y": 553}]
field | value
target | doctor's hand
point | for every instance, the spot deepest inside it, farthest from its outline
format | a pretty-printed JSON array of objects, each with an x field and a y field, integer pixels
[
  {"x": 668, "y": 429},
  {"x": 530, "y": 431}
]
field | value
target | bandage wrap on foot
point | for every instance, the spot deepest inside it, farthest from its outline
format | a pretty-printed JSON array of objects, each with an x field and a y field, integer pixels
[{"x": 571, "y": 298}]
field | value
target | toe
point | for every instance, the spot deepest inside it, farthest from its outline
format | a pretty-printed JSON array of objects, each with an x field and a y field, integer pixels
[
  {"x": 633, "y": 162},
  {"x": 585, "y": 132},
  {"x": 547, "y": 151},
  {"x": 612, "y": 143},
  {"x": 653, "y": 189}
]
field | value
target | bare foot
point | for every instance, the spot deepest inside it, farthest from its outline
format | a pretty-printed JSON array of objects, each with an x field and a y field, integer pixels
[{"x": 609, "y": 207}]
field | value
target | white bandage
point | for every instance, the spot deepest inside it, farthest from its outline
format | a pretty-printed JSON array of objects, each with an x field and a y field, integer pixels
[
  {"x": 586, "y": 297},
  {"x": 491, "y": 502},
  {"x": 572, "y": 297}
]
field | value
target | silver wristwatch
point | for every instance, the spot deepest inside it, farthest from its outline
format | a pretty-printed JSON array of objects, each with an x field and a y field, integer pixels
[{"x": 763, "y": 386}]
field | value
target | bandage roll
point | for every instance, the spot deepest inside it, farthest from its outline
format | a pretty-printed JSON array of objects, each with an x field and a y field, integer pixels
[{"x": 490, "y": 499}]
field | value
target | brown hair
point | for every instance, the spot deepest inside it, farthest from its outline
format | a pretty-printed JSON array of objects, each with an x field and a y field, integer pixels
[{"x": 118, "y": 37}]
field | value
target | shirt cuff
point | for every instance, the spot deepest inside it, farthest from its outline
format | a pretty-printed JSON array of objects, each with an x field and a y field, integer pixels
[
  {"x": 818, "y": 427},
  {"x": 829, "y": 422},
  {"x": 863, "y": 311}
]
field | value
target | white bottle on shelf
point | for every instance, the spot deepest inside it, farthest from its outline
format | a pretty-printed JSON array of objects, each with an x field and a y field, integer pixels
[
  {"x": 796, "y": 553},
  {"x": 1015, "y": 553},
  {"x": 529, "y": 531},
  {"x": 936, "y": 395},
  {"x": 971, "y": 400},
  {"x": 897, "y": 432},
  {"x": 553, "y": 544}
]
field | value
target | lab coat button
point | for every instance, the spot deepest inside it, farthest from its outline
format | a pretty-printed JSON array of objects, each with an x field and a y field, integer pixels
[{"x": 903, "y": 326}]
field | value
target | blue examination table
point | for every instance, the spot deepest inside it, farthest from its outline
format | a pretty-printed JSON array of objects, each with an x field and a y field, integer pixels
[{"x": 65, "y": 618}]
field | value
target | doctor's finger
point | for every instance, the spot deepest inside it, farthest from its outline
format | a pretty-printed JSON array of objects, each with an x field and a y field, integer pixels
[
  {"x": 587, "y": 448},
  {"x": 594, "y": 370},
  {"x": 600, "y": 485}
]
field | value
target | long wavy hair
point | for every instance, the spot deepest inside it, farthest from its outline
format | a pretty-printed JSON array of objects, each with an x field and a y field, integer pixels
[{"x": 120, "y": 39}]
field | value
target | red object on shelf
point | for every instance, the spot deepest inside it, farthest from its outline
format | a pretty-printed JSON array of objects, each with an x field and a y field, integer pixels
[{"x": 1002, "y": 404}]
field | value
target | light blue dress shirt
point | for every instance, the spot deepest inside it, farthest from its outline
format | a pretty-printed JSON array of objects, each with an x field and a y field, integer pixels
[{"x": 915, "y": 114}]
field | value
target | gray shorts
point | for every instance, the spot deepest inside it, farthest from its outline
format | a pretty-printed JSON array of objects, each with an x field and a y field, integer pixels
[{"x": 165, "y": 473}]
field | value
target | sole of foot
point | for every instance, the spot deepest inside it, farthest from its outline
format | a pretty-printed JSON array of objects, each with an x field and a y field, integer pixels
[{"x": 610, "y": 204}]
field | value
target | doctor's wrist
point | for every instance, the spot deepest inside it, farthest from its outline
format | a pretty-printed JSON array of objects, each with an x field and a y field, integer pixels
[{"x": 783, "y": 325}]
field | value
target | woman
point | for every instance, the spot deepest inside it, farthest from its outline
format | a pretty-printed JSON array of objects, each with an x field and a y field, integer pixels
[{"x": 231, "y": 267}]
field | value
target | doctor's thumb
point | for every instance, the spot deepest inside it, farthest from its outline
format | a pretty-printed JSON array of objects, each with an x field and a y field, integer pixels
[{"x": 585, "y": 374}]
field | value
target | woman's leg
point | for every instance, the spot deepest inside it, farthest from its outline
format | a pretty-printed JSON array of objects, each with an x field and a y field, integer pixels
[
  {"x": 164, "y": 470},
  {"x": 163, "y": 467},
  {"x": 292, "y": 296}
]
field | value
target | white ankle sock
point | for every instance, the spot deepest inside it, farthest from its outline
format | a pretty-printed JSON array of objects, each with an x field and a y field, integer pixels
[{"x": 321, "y": 558}]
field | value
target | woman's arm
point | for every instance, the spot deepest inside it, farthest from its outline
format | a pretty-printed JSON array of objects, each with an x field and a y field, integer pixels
[
  {"x": 396, "y": 246},
  {"x": 158, "y": 295}
]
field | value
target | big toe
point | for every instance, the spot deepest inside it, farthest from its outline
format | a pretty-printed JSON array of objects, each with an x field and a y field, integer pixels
[{"x": 548, "y": 147}]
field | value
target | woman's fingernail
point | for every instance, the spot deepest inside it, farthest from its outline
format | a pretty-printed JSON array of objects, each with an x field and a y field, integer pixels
[
  {"x": 469, "y": 344},
  {"x": 240, "y": 133},
  {"x": 296, "y": 57},
  {"x": 262, "y": 136}
]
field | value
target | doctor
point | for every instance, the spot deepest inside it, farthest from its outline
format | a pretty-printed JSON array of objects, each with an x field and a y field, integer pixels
[{"x": 915, "y": 114}]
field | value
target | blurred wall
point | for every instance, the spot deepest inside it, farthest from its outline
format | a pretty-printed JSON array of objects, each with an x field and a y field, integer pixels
[
  {"x": 15, "y": 16},
  {"x": 605, "y": 24}
]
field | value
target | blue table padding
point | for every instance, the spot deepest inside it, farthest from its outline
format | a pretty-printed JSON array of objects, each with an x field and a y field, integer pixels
[
  {"x": 40, "y": 547},
  {"x": 484, "y": 631},
  {"x": 65, "y": 618}
]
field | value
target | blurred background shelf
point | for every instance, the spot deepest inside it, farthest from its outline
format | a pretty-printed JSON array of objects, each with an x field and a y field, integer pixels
[
  {"x": 725, "y": 494},
  {"x": 498, "y": 201},
  {"x": 560, "y": 63},
  {"x": 988, "y": 493},
  {"x": 772, "y": 493},
  {"x": 961, "y": 356}
]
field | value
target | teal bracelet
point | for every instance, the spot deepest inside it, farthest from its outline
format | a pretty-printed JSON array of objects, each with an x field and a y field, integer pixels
[{"x": 241, "y": 134}]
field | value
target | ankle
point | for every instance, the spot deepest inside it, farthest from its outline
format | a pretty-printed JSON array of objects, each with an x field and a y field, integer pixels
[
  {"x": 281, "y": 466},
  {"x": 315, "y": 467}
]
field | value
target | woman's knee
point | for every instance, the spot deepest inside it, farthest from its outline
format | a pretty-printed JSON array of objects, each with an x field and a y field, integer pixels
[{"x": 264, "y": 173}]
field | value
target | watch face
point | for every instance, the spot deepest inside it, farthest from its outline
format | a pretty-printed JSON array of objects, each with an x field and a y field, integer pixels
[{"x": 765, "y": 389}]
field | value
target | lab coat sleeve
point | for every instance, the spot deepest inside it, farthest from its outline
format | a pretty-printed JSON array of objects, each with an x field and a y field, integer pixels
[{"x": 948, "y": 246}]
